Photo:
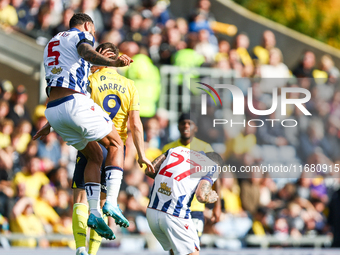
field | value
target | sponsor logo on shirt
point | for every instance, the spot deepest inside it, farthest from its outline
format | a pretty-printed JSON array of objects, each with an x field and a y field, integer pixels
[
  {"x": 56, "y": 70},
  {"x": 164, "y": 189}
]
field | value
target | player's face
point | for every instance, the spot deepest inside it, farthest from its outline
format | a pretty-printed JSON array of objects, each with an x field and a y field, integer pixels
[{"x": 187, "y": 128}]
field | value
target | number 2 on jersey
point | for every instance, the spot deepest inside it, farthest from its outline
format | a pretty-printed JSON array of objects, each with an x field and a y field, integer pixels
[
  {"x": 112, "y": 110},
  {"x": 52, "y": 53},
  {"x": 180, "y": 159}
]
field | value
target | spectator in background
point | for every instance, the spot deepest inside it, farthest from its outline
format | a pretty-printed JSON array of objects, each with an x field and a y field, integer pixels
[
  {"x": 205, "y": 48},
  {"x": 90, "y": 8},
  {"x": 134, "y": 29},
  {"x": 6, "y": 191},
  {"x": 64, "y": 24},
  {"x": 327, "y": 65},
  {"x": 6, "y": 130},
  {"x": 261, "y": 52},
  {"x": 275, "y": 74},
  {"x": 31, "y": 177},
  {"x": 28, "y": 13},
  {"x": 154, "y": 47},
  {"x": 112, "y": 36},
  {"x": 162, "y": 116},
  {"x": 203, "y": 7},
  {"x": 49, "y": 150},
  {"x": 152, "y": 141},
  {"x": 59, "y": 178},
  {"x": 146, "y": 78},
  {"x": 43, "y": 208},
  {"x": 223, "y": 51},
  {"x": 8, "y": 15},
  {"x": 18, "y": 110},
  {"x": 306, "y": 67},
  {"x": 242, "y": 143},
  {"x": 183, "y": 28},
  {"x": 26, "y": 222},
  {"x": 332, "y": 130},
  {"x": 241, "y": 46},
  {"x": 117, "y": 24},
  {"x": 250, "y": 193},
  {"x": 6, "y": 89},
  {"x": 235, "y": 221},
  {"x": 333, "y": 218},
  {"x": 172, "y": 44},
  {"x": 23, "y": 132},
  {"x": 4, "y": 109},
  {"x": 272, "y": 134},
  {"x": 56, "y": 8},
  {"x": 314, "y": 140},
  {"x": 106, "y": 9}
]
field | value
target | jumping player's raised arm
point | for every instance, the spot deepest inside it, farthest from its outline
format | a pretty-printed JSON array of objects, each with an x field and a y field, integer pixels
[
  {"x": 156, "y": 164},
  {"x": 86, "y": 51},
  {"x": 205, "y": 193}
]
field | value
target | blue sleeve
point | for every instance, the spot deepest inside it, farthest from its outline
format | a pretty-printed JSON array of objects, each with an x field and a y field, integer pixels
[{"x": 85, "y": 37}]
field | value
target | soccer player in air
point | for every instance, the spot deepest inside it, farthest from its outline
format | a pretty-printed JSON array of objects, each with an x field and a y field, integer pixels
[
  {"x": 175, "y": 184},
  {"x": 118, "y": 96},
  {"x": 77, "y": 119},
  {"x": 188, "y": 129}
]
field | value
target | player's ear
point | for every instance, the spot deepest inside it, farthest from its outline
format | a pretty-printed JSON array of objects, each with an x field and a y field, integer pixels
[{"x": 87, "y": 26}]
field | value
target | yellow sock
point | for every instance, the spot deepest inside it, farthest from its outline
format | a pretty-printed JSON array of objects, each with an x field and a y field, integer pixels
[
  {"x": 95, "y": 240},
  {"x": 79, "y": 223}
]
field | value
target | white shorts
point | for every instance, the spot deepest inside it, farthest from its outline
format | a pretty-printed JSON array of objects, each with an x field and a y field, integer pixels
[
  {"x": 78, "y": 120},
  {"x": 173, "y": 232}
]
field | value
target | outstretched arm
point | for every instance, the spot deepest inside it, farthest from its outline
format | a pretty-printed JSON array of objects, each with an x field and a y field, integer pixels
[
  {"x": 136, "y": 127},
  {"x": 204, "y": 192},
  {"x": 86, "y": 51},
  {"x": 156, "y": 164},
  {"x": 43, "y": 132}
]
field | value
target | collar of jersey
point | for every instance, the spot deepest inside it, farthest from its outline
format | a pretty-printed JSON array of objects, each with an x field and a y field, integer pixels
[
  {"x": 108, "y": 69},
  {"x": 74, "y": 29}
]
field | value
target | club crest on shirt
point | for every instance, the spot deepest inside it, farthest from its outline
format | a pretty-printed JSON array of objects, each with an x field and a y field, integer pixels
[
  {"x": 164, "y": 189},
  {"x": 56, "y": 70}
]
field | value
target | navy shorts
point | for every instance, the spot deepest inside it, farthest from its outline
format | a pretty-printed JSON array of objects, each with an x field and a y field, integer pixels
[{"x": 78, "y": 175}]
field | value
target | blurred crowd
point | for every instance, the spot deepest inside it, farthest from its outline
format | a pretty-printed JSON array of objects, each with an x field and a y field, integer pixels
[{"x": 35, "y": 176}]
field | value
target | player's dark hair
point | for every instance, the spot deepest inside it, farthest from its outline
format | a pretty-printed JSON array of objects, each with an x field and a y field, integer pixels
[
  {"x": 110, "y": 46},
  {"x": 79, "y": 19},
  {"x": 215, "y": 157}
]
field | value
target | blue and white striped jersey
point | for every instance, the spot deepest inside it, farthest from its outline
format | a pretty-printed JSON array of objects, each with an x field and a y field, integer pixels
[
  {"x": 63, "y": 65},
  {"x": 175, "y": 183}
]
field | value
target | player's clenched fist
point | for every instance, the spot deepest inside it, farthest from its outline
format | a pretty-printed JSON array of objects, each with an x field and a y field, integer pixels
[{"x": 212, "y": 196}]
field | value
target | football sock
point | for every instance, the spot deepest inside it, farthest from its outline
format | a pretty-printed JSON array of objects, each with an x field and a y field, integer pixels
[
  {"x": 80, "y": 249},
  {"x": 114, "y": 176},
  {"x": 95, "y": 240},
  {"x": 93, "y": 197},
  {"x": 79, "y": 224}
]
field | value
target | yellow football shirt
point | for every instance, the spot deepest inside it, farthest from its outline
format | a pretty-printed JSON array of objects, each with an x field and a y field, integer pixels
[
  {"x": 117, "y": 96},
  {"x": 196, "y": 145}
]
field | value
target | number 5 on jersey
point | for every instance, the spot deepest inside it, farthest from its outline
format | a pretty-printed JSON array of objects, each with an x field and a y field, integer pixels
[{"x": 52, "y": 53}]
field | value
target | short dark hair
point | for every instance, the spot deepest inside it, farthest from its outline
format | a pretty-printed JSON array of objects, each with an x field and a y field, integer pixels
[
  {"x": 79, "y": 19},
  {"x": 215, "y": 157},
  {"x": 110, "y": 46}
]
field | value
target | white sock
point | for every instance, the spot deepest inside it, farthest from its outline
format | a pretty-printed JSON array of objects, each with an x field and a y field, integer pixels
[
  {"x": 80, "y": 249},
  {"x": 114, "y": 176},
  {"x": 93, "y": 197}
]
